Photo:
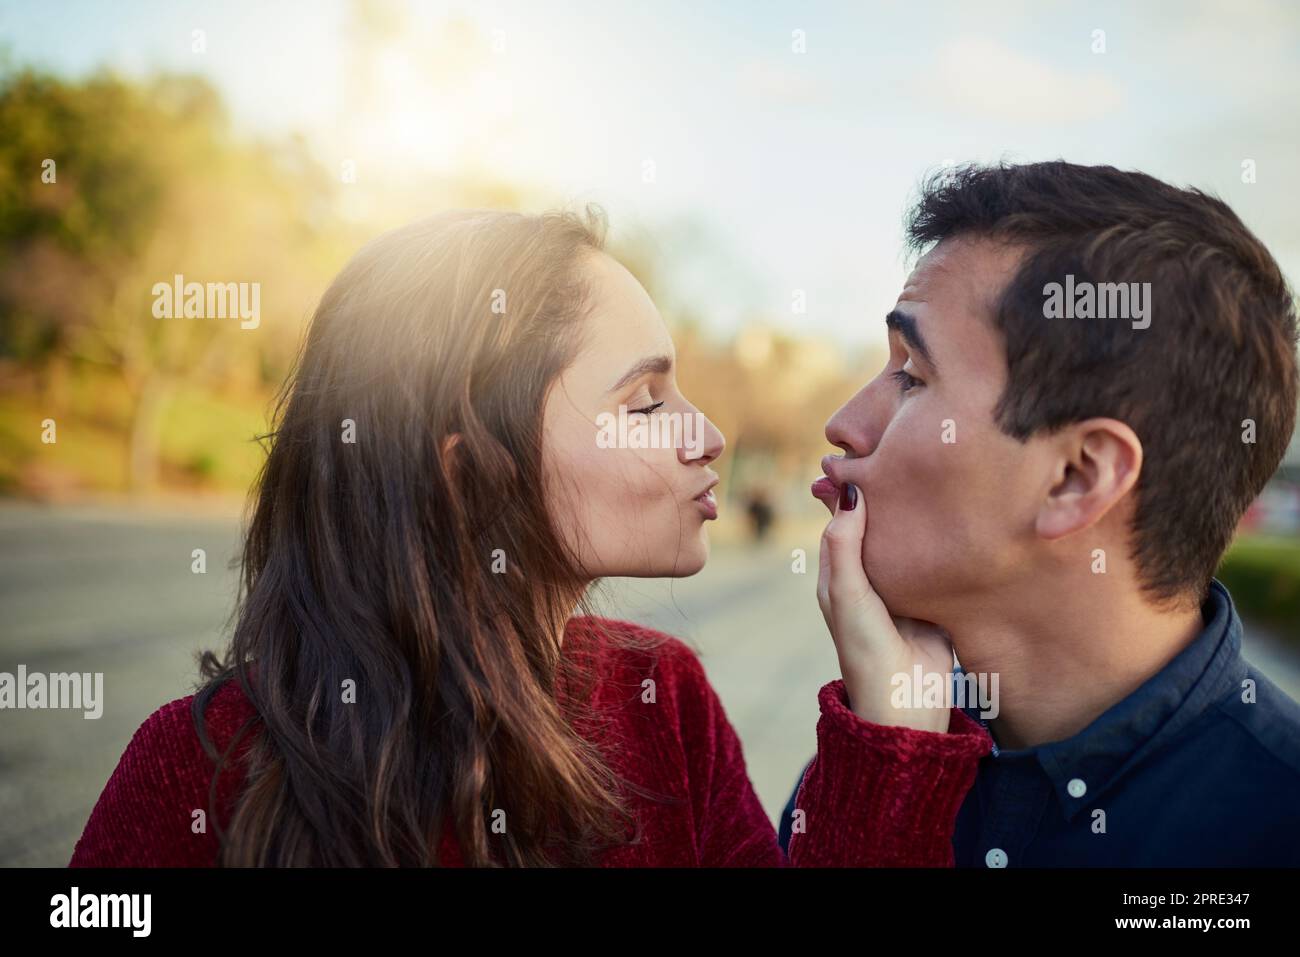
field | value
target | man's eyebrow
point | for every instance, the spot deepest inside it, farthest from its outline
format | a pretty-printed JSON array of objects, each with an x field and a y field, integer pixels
[
  {"x": 655, "y": 364},
  {"x": 906, "y": 327}
]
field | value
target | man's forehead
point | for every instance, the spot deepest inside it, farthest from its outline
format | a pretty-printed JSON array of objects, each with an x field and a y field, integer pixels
[
  {"x": 950, "y": 297},
  {"x": 968, "y": 270}
]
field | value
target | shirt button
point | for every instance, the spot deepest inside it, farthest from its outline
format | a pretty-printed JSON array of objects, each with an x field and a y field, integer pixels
[
  {"x": 1077, "y": 788},
  {"x": 996, "y": 857}
]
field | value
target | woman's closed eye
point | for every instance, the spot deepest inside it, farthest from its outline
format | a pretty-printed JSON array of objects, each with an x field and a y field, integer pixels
[{"x": 647, "y": 410}]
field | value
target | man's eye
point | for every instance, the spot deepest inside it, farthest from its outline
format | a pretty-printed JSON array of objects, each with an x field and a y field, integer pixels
[
  {"x": 906, "y": 382},
  {"x": 647, "y": 410}
]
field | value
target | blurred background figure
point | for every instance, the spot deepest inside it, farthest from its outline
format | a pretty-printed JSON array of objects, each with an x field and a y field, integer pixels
[{"x": 760, "y": 511}]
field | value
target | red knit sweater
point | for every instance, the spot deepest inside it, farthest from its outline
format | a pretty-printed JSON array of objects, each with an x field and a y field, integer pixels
[{"x": 874, "y": 795}]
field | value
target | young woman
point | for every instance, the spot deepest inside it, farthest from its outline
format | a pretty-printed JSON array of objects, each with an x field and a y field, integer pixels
[{"x": 411, "y": 681}]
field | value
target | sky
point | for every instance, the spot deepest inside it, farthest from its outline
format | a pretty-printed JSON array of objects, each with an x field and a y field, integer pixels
[{"x": 767, "y": 148}]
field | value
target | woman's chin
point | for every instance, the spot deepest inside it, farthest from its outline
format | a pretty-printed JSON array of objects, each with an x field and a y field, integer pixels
[
  {"x": 688, "y": 561},
  {"x": 691, "y": 560}
]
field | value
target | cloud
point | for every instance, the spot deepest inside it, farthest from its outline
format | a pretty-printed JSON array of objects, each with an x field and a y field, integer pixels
[
  {"x": 1246, "y": 51},
  {"x": 984, "y": 78},
  {"x": 768, "y": 79}
]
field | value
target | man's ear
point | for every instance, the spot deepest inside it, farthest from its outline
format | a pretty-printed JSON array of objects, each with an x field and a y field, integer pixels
[{"x": 1099, "y": 462}]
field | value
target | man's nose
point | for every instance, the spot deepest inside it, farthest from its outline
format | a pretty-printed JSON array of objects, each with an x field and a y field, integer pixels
[{"x": 853, "y": 427}]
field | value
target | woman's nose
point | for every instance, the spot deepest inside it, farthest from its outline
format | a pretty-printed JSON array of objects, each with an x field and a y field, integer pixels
[{"x": 701, "y": 441}]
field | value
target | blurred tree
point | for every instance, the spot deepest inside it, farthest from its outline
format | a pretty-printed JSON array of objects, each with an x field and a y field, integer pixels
[{"x": 108, "y": 187}]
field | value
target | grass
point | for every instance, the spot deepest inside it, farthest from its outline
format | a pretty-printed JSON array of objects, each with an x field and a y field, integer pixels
[
  {"x": 211, "y": 438},
  {"x": 205, "y": 440},
  {"x": 1263, "y": 575}
]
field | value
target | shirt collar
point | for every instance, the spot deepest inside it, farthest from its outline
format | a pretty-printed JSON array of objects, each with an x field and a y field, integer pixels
[{"x": 1081, "y": 767}]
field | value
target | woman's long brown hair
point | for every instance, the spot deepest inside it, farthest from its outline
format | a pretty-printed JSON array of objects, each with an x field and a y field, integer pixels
[{"x": 399, "y": 544}]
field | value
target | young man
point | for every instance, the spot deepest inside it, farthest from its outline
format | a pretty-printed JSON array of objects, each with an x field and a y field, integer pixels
[{"x": 1092, "y": 374}]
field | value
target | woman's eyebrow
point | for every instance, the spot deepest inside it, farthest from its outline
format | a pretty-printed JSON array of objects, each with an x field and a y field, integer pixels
[
  {"x": 906, "y": 327},
  {"x": 655, "y": 364}
]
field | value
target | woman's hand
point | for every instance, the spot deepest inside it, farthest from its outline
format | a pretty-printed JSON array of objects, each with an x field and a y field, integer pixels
[{"x": 873, "y": 646}]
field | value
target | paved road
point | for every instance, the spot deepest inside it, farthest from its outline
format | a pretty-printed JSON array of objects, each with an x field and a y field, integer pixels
[
  {"x": 84, "y": 591},
  {"x": 92, "y": 591}
]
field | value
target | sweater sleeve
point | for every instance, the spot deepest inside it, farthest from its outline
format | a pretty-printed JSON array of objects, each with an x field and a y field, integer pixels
[
  {"x": 732, "y": 829},
  {"x": 874, "y": 796},
  {"x": 145, "y": 816},
  {"x": 882, "y": 796}
]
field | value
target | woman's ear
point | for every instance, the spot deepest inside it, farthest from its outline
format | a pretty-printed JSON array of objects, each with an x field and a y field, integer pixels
[{"x": 1100, "y": 460}]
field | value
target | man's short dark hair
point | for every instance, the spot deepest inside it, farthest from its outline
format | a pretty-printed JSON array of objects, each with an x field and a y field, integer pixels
[{"x": 1220, "y": 348}]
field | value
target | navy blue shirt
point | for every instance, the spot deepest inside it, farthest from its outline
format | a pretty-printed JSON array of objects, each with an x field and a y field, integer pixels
[{"x": 1199, "y": 767}]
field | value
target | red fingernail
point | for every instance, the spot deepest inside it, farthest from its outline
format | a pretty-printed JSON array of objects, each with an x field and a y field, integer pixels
[{"x": 848, "y": 497}]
